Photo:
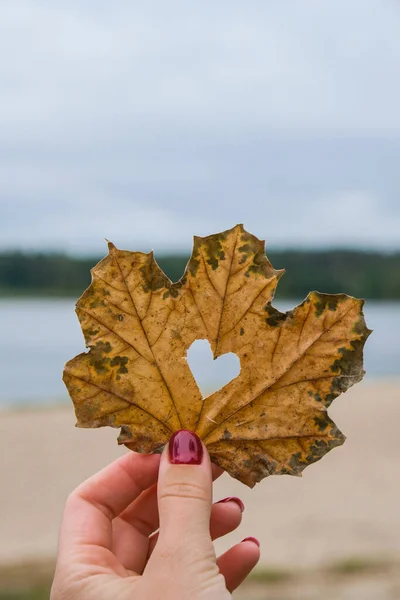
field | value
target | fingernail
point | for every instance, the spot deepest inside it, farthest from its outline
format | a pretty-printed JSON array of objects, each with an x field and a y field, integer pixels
[
  {"x": 185, "y": 448},
  {"x": 252, "y": 539},
  {"x": 232, "y": 499}
]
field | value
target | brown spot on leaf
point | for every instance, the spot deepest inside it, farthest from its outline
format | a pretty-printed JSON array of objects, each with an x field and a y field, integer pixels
[
  {"x": 98, "y": 358},
  {"x": 120, "y": 362},
  {"x": 274, "y": 317},
  {"x": 153, "y": 277},
  {"x": 327, "y": 301}
]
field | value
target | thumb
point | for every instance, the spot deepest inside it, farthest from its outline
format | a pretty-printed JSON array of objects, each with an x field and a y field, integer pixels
[{"x": 185, "y": 497}]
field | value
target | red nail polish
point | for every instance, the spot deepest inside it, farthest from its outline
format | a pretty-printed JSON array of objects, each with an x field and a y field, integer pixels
[
  {"x": 252, "y": 539},
  {"x": 185, "y": 448},
  {"x": 232, "y": 499}
]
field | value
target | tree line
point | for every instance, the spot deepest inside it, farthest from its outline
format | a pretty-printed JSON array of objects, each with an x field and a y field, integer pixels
[{"x": 363, "y": 274}]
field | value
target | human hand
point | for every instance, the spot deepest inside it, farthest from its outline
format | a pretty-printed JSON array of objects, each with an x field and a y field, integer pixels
[{"x": 109, "y": 545}]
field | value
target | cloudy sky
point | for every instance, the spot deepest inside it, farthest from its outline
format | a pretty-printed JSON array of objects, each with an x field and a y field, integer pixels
[{"x": 148, "y": 122}]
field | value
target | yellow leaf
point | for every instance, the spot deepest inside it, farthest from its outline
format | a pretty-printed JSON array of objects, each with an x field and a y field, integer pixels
[{"x": 138, "y": 326}]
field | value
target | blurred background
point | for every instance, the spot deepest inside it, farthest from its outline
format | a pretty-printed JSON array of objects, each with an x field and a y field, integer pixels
[{"x": 147, "y": 123}]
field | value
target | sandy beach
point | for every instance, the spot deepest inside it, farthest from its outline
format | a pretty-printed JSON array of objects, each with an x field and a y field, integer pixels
[{"x": 346, "y": 505}]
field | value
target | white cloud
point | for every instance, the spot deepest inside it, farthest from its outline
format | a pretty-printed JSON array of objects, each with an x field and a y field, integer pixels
[
  {"x": 145, "y": 122},
  {"x": 323, "y": 66},
  {"x": 343, "y": 218}
]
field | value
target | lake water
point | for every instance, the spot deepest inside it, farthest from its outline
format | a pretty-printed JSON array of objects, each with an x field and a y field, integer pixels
[{"x": 38, "y": 336}]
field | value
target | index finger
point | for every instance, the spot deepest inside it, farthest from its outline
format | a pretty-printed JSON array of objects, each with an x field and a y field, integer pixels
[{"x": 90, "y": 509}]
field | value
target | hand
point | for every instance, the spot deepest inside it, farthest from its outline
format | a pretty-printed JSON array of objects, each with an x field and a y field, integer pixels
[{"x": 108, "y": 546}]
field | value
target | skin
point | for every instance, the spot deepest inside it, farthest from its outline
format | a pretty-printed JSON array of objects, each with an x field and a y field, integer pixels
[{"x": 142, "y": 529}]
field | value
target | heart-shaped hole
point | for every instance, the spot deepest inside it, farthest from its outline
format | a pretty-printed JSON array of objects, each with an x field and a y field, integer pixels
[{"x": 211, "y": 374}]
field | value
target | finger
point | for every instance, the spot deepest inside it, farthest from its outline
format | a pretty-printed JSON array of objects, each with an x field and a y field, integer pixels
[
  {"x": 142, "y": 513},
  {"x": 238, "y": 562},
  {"x": 131, "y": 530},
  {"x": 184, "y": 503},
  {"x": 224, "y": 519},
  {"x": 226, "y": 516},
  {"x": 91, "y": 508}
]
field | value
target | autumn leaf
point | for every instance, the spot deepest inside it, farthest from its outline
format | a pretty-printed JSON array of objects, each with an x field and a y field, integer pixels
[{"x": 138, "y": 326}]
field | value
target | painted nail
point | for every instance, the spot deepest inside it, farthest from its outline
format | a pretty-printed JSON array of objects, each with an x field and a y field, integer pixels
[
  {"x": 232, "y": 499},
  {"x": 185, "y": 448},
  {"x": 252, "y": 539}
]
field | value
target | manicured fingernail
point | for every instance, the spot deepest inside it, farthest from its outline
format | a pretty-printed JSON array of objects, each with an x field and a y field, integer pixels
[
  {"x": 252, "y": 539},
  {"x": 232, "y": 499},
  {"x": 185, "y": 448}
]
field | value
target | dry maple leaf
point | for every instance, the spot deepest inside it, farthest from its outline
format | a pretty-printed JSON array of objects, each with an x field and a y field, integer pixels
[{"x": 272, "y": 418}]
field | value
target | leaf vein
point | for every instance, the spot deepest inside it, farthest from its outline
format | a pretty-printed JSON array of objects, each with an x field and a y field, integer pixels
[
  {"x": 147, "y": 340},
  {"x": 285, "y": 372},
  {"x": 113, "y": 393}
]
